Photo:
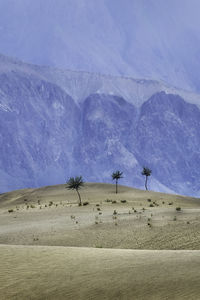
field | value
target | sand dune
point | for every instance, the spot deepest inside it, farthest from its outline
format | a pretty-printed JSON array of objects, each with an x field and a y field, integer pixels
[
  {"x": 92, "y": 192},
  {"x": 51, "y": 216},
  {"x": 35, "y": 265}
]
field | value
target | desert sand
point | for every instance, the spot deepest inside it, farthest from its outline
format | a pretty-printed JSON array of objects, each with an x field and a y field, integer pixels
[{"x": 130, "y": 245}]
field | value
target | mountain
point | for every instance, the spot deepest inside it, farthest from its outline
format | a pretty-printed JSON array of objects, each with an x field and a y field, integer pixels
[
  {"x": 153, "y": 39},
  {"x": 58, "y": 123}
]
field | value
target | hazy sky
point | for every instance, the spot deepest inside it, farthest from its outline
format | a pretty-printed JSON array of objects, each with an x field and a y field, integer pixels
[{"x": 157, "y": 39}]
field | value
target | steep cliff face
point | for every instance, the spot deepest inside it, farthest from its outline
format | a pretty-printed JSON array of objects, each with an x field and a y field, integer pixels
[
  {"x": 55, "y": 124},
  {"x": 38, "y": 128},
  {"x": 168, "y": 136},
  {"x": 163, "y": 134},
  {"x": 106, "y": 124}
]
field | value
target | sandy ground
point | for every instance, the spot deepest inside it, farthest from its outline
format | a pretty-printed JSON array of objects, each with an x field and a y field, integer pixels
[
  {"x": 35, "y": 272},
  {"x": 136, "y": 225},
  {"x": 36, "y": 223}
]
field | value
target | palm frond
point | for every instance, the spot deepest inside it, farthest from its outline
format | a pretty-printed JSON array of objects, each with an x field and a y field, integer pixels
[
  {"x": 117, "y": 175},
  {"x": 75, "y": 183},
  {"x": 146, "y": 171}
]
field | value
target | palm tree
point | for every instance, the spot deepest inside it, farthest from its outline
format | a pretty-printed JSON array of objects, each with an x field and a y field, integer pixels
[
  {"x": 146, "y": 172},
  {"x": 116, "y": 176},
  {"x": 75, "y": 183}
]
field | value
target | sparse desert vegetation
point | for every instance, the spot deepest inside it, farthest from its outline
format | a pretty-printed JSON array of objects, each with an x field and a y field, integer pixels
[
  {"x": 129, "y": 221},
  {"x": 116, "y": 176},
  {"x": 146, "y": 172}
]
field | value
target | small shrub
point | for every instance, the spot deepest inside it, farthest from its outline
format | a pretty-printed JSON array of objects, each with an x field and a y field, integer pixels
[
  {"x": 114, "y": 212},
  {"x": 123, "y": 201},
  {"x": 32, "y": 206},
  {"x": 178, "y": 208},
  {"x": 149, "y": 224},
  {"x": 100, "y": 213},
  {"x": 170, "y": 203},
  {"x": 149, "y": 200},
  {"x": 98, "y": 208},
  {"x": 10, "y": 211},
  {"x": 114, "y": 201},
  {"x": 151, "y": 205},
  {"x": 163, "y": 202},
  {"x": 85, "y": 203},
  {"x": 188, "y": 222},
  {"x": 50, "y": 203},
  {"x": 108, "y": 200},
  {"x": 35, "y": 239},
  {"x": 97, "y": 204},
  {"x": 174, "y": 218},
  {"x": 96, "y": 222}
]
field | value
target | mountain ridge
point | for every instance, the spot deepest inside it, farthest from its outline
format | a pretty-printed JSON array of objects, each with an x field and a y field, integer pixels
[
  {"x": 62, "y": 78},
  {"x": 134, "y": 38},
  {"x": 56, "y": 124}
]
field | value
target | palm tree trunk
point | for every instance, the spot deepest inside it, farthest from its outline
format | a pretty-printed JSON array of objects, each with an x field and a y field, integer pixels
[
  {"x": 116, "y": 186},
  {"x": 79, "y": 197},
  {"x": 146, "y": 183}
]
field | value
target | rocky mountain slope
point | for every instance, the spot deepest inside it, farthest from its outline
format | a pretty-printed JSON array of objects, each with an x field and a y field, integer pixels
[{"x": 56, "y": 123}]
